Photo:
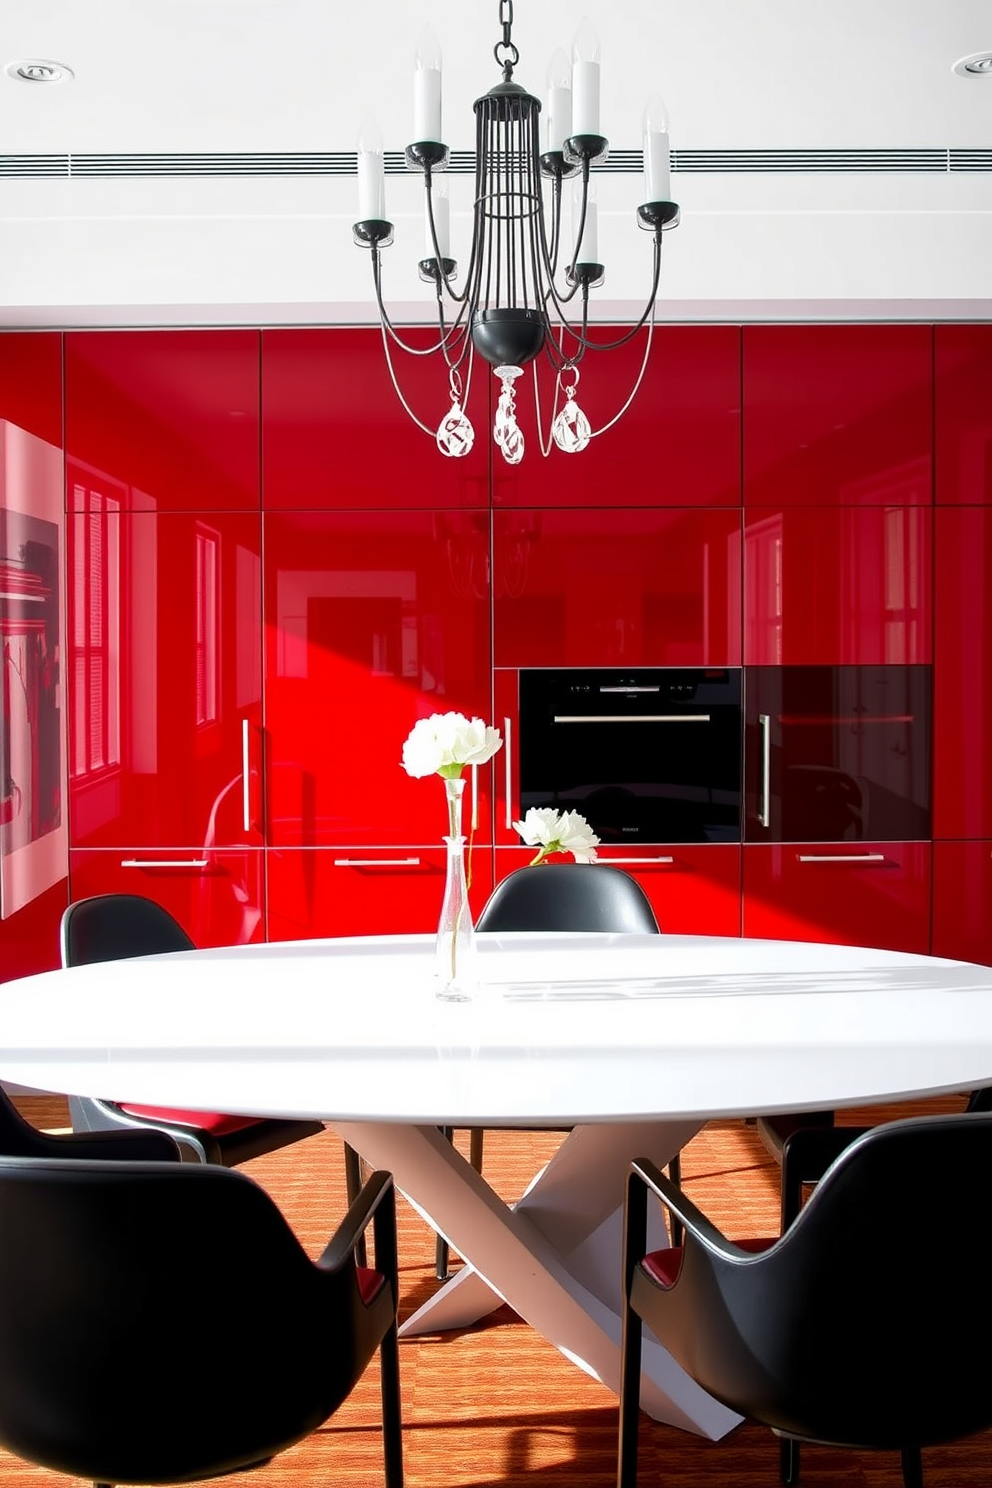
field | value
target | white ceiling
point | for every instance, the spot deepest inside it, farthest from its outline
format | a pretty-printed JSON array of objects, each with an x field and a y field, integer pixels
[{"x": 293, "y": 79}]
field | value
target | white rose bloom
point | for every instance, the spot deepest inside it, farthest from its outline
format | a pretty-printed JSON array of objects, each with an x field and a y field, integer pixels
[
  {"x": 577, "y": 837},
  {"x": 553, "y": 831},
  {"x": 448, "y": 739},
  {"x": 539, "y": 827}
]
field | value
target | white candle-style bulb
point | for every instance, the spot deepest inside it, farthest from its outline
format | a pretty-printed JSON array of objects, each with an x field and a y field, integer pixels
[
  {"x": 585, "y": 79},
  {"x": 559, "y": 80},
  {"x": 427, "y": 88},
  {"x": 589, "y": 247},
  {"x": 657, "y": 156},
  {"x": 371, "y": 174},
  {"x": 442, "y": 219}
]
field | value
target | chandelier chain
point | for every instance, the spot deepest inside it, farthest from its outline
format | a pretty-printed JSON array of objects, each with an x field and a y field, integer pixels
[{"x": 504, "y": 51}]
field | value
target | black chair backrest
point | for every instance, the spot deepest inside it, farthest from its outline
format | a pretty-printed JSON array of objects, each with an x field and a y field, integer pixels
[
  {"x": 855, "y": 1326},
  {"x": 112, "y": 927},
  {"x": 18, "y": 1138},
  {"x": 569, "y": 896},
  {"x": 121, "y": 1278}
]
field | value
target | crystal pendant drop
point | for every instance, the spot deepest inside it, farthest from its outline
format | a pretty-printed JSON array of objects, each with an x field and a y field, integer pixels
[
  {"x": 506, "y": 430},
  {"x": 570, "y": 430},
  {"x": 455, "y": 434}
]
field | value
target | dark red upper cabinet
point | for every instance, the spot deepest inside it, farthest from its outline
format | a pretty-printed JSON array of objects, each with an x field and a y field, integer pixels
[
  {"x": 963, "y": 403},
  {"x": 31, "y": 382},
  {"x": 678, "y": 444},
  {"x": 169, "y": 418},
  {"x": 838, "y": 414},
  {"x": 335, "y": 435},
  {"x": 962, "y": 662}
]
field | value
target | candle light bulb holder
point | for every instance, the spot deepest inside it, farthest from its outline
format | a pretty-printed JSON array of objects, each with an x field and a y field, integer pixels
[
  {"x": 554, "y": 165},
  {"x": 658, "y": 216},
  {"x": 426, "y": 155},
  {"x": 586, "y": 149},
  {"x": 589, "y": 275},
  {"x": 372, "y": 232},
  {"x": 427, "y": 268}
]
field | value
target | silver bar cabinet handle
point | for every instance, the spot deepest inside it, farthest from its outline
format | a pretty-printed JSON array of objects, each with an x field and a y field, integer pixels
[
  {"x": 245, "y": 803},
  {"x": 164, "y": 862},
  {"x": 508, "y": 770},
  {"x": 840, "y": 857},
  {"x": 631, "y": 862},
  {"x": 377, "y": 862},
  {"x": 764, "y": 724}
]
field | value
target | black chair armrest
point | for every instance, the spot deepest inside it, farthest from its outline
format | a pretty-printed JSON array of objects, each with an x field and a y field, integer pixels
[
  {"x": 375, "y": 1204},
  {"x": 646, "y": 1178}
]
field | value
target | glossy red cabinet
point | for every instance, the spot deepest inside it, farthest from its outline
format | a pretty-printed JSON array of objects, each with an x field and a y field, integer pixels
[
  {"x": 833, "y": 585},
  {"x": 838, "y": 414},
  {"x": 358, "y": 891},
  {"x": 170, "y": 419},
  {"x": 335, "y": 435},
  {"x": 613, "y": 587},
  {"x": 962, "y": 894},
  {"x": 372, "y": 620},
  {"x": 962, "y": 665},
  {"x": 217, "y": 894},
  {"x": 31, "y": 382},
  {"x": 164, "y": 667},
  {"x": 963, "y": 405},
  {"x": 678, "y": 443},
  {"x": 869, "y": 893}
]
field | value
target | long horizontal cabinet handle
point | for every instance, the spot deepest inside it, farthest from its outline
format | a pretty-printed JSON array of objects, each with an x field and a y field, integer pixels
[
  {"x": 840, "y": 857},
  {"x": 377, "y": 862},
  {"x": 630, "y": 718},
  {"x": 634, "y": 862},
  {"x": 164, "y": 862}
]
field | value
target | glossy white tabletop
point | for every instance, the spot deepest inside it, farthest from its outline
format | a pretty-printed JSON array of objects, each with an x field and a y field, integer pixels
[{"x": 564, "y": 1030}]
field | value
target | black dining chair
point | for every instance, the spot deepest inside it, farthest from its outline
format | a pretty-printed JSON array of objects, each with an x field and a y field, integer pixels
[
  {"x": 844, "y": 1330},
  {"x": 113, "y": 927},
  {"x": 579, "y": 897},
  {"x": 116, "y": 1276},
  {"x": 18, "y": 1138}
]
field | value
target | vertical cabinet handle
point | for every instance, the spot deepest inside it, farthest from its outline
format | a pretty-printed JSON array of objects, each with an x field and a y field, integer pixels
[
  {"x": 508, "y": 770},
  {"x": 475, "y": 798},
  {"x": 245, "y": 777},
  {"x": 764, "y": 724}
]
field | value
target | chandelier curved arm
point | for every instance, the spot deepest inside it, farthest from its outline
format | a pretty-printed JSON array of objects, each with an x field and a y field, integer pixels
[
  {"x": 637, "y": 382},
  {"x": 398, "y": 391},
  {"x": 585, "y": 344},
  {"x": 444, "y": 339}
]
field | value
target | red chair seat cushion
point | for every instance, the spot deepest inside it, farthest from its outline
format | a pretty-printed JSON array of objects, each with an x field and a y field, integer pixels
[
  {"x": 213, "y": 1122},
  {"x": 370, "y": 1283},
  {"x": 663, "y": 1266}
]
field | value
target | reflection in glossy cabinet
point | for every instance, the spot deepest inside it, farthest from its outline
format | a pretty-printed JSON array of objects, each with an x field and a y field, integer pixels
[
  {"x": 963, "y": 402},
  {"x": 616, "y": 587},
  {"x": 962, "y": 901},
  {"x": 164, "y": 677},
  {"x": 678, "y": 444},
  {"x": 832, "y": 585},
  {"x": 335, "y": 435},
  {"x": 169, "y": 418},
  {"x": 217, "y": 895},
  {"x": 31, "y": 382},
  {"x": 358, "y": 891},
  {"x": 838, "y": 414},
  {"x": 872, "y": 894},
  {"x": 372, "y": 620},
  {"x": 962, "y": 663}
]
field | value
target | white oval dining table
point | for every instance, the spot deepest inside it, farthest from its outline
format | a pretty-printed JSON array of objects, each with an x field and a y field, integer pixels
[{"x": 632, "y": 1042}]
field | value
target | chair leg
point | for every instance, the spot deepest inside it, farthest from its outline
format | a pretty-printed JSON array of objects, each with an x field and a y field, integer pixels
[
  {"x": 392, "y": 1425},
  {"x": 440, "y": 1244},
  {"x": 912, "y": 1467},
  {"x": 475, "y": 1148},
  {"x": 675, "y": 1173},
  {"x": 631, "y": 1332},
  {"x": 789, "y": 1460},
  {"x": 353, "y": 1186}
]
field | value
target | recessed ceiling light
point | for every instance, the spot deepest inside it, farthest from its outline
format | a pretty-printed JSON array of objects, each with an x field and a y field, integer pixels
[
  {"x": 978, "y": 64},
  {"x": 37, "y": 70}
]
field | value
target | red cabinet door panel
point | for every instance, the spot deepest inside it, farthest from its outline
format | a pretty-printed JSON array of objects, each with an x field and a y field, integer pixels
[
  {"x": 678, "y": 443},
  {"x": 336, "y": 435},
  {"x": 169, "y": 418},
  {"x": 616, "y": 587},
  {"x": 963, "y": 403},
  {"x": 29, "y": 938},
  {"x": 362, "y": 891},
  {"x": 217, "y": 896},
  {"x": 875, "y": 894},
  {"x": 831, "y": 585},
  {"x": 31, "y": 382},
  {"x": 838, "y": 414},
  {"x": 693, "y": 890},
  {"x": 962, "y": 894},
  {"x": 962, "y": 724},
  {"x": 164, "y": 678},
  {"x": 372, "y": 620}
]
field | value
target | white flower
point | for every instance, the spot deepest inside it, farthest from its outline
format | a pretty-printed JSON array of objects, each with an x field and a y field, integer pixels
[
  {"x": 444, "y": 743},
  {"x": 558, "y": 831}
]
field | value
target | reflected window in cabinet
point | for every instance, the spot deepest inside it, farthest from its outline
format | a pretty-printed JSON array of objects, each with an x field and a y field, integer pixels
[
  {"x": 94, "y": 638},
  {"x": 207, "y": 556}
]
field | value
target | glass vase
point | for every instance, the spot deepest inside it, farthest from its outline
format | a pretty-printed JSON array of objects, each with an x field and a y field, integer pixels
[{"x": 454, "y": 951}]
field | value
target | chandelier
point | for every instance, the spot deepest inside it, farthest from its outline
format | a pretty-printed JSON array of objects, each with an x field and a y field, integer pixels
[{"x": 522, "y": 296}]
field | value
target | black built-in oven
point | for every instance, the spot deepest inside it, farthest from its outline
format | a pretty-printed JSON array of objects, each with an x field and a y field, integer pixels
[{"x": 646, "y": 755}]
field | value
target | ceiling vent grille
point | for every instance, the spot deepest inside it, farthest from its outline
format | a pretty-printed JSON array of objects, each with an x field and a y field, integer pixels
[{"x": 462, "y": 162}]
